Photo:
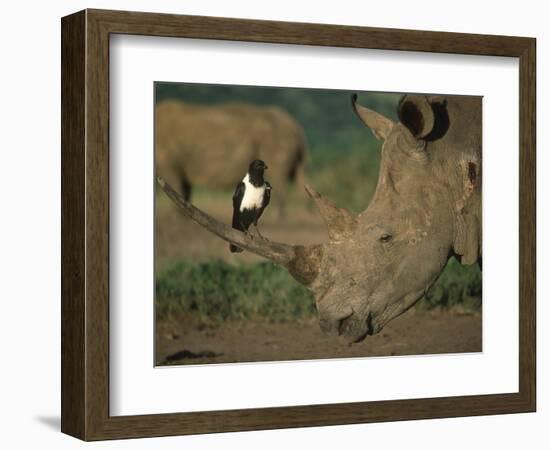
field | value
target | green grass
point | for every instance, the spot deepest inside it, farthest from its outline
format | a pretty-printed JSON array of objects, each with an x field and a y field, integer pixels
[
  {"x": 457, "y": 285},
  {"x": 218, "y": 291}
]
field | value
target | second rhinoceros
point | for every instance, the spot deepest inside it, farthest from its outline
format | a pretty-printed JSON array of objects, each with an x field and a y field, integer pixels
[{"x": 212, "y": 145}]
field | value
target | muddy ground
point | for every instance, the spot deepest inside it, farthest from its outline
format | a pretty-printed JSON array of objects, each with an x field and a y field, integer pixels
[
  {"x": 415, "y": 332},
  {"x": 188, "y": 340}
]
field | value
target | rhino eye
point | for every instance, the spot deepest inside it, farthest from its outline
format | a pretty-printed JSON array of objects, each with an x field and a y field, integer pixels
[{"x": 386, "y": 237}]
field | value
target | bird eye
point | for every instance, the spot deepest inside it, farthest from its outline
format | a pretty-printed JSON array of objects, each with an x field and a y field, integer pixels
[{"x": 386, "y": 237}]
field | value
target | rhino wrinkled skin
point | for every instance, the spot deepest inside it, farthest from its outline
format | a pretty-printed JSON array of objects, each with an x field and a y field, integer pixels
[{"x": 426, "y": 209}]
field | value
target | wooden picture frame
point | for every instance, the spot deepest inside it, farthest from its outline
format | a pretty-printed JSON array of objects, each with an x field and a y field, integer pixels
[{"x": 85, "y": 224}]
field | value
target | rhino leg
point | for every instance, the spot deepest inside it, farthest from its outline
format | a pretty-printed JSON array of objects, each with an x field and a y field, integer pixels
[
  {"x": 186, "y": 189},
  {"x": 281, "y": 199},
  {"x": 300, "y": 183},
  {"x": 174, "y": 177}
]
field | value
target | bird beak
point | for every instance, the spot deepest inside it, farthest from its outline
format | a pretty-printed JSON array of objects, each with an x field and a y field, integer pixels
[{"x": 265, "y": 167}]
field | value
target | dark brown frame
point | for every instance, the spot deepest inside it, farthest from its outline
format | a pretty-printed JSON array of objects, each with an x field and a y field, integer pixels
[{"x": 85, "y": 224}]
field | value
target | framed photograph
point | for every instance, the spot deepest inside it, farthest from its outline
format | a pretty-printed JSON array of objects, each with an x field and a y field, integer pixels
[{"x": 271, "y": 225}]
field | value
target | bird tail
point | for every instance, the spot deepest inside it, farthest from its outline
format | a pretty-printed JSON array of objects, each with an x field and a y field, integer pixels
[
  {"x": 237, "y": 226},
  {"x": 235, "y": 249}
]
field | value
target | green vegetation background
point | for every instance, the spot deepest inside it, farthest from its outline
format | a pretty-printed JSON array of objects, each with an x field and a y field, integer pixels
[
  {"x": 343, "y": 164},
  {"x": 217, "y": 290}
]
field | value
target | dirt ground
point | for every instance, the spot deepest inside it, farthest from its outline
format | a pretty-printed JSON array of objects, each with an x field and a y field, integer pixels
[
  {"x": 415, "y": 332},
  {"x": 187, "y": 341}
]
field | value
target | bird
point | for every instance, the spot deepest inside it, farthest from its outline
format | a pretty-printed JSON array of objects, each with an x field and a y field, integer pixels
[{"x": 250, "y": 199}]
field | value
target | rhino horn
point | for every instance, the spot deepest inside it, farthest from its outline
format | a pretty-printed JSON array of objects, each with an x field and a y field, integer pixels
[
  {"x": 303, "y": 262},
  {"x": 340, "y": 222},
  {"x": 380, "y": 125}
]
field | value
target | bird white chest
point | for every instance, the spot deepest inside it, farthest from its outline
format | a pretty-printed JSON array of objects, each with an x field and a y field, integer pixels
[{"x": 253, "y": 196}]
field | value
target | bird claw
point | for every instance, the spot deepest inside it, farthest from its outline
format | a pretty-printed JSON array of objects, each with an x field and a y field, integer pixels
[{"x": 260, "y": 234}]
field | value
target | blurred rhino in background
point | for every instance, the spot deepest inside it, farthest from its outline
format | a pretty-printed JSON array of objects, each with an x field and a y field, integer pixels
[{"x": 212, "y": 146}]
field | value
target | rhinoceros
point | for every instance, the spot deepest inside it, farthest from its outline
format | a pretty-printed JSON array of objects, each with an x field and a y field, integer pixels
[
  {"x": 425, "y": 210},
  {"x": 212, "y": 145}
]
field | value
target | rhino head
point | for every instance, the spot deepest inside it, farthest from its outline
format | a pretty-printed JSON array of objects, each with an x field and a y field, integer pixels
[{"x": 426, "y": 209}]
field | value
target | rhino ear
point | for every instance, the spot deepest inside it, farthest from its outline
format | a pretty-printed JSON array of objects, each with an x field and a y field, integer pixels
[
  {"x": 416, "y": 113},
  {"x": 380, "y": 125},
  {"x": 467, "y": 242}
]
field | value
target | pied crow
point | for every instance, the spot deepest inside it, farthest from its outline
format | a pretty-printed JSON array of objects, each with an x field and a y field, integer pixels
[{"x": 251, "y": 197}]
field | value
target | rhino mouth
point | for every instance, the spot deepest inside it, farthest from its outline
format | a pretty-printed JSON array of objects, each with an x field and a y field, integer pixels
[
  {"x": 354, "y": 329},
  {"x": 396, "y": 309}
]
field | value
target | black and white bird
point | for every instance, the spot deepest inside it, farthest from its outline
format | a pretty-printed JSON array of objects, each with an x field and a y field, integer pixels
[{"x": 251, "y": 197}]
